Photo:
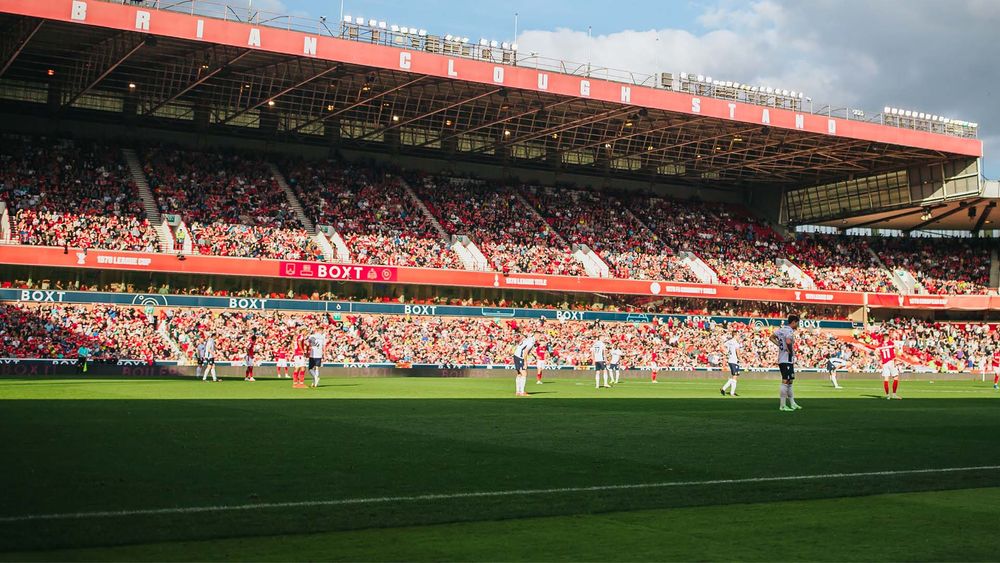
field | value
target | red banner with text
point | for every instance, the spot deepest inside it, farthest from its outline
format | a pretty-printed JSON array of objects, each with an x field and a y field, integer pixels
[{"x": 246, "y": 267}]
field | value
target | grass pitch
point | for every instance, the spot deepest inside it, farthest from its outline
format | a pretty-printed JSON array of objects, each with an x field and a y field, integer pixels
[{"x": 460, "y": 469}]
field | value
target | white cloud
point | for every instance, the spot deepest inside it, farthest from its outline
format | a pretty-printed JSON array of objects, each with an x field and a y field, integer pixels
[{"x": 925, "y": 55}]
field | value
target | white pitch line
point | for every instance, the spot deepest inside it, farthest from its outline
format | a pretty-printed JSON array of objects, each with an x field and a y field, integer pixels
[{"x": 475, "y": 494}]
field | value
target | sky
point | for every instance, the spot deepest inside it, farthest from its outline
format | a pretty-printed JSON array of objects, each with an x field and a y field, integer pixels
[{"x": 940, "y": 57}]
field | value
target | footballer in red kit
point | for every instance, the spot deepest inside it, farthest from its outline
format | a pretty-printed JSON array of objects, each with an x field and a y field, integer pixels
[
  {"x": 886, "y": 351},
  {"x": 251, "y": 349}
]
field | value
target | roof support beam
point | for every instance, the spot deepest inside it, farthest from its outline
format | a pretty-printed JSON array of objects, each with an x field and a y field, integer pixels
[
  {"x": 101, "y": 61},
  {"x": 199, "y": 77},
  {"x": 430, "y": 113},
  {"x": 278, "y": 94},
  {"x": 496, "y": 122},
  {"x": 359, "y": 103},
  {"x": 15, "y": 41}
]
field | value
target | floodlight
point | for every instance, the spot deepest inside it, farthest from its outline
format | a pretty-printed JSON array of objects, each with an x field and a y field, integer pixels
[
  {"x": 348, "y": 19},
  {"x": 465, "y": 40},
  {"x": 701, "y": 78},
  {"x": 422, "y": 33},
  {"x": 769, "y": 90},
  {"x": 484, "y": 43},
  {"x": 513, "y": 47},
  {"x": 359, "y": 20},
  {"x": 684, "y": 76},
  {"x": 381, "y": 25},
  {"x": 505, "y": 46},
  {"x": 447, "y": 37},
  {"x": 372, "y": 23},
  {"x": 394, "y": 28},
  {"x": 404, "y": 30},
  {"x": 494, "y": 44}
]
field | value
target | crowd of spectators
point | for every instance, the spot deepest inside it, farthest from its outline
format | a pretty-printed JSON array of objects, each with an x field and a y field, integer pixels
[
  {"x": 71, "y": 193},
  {"x": 740, "y": 249},
  {"x": 938, "y": 346},
  {"x": 840, "y": 263},
  {"x": 602, "y": 222},
  {"x": 368, "y": 206},
  {"x": 232, "y": 205},
  {"x": 939, "y": 265},
  {"x": 59, "y": 331},
  {"x": 129, "y": 332},
  {"x": 509, "y": 235}
]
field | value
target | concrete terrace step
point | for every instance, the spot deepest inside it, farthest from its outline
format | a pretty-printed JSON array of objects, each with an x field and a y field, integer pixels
[{"x": 293, "y": 200}]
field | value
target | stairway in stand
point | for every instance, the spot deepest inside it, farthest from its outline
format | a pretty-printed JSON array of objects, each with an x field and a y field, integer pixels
[
  {"x": 149, "y": 205},
  {"x": 293, "y": 201}
]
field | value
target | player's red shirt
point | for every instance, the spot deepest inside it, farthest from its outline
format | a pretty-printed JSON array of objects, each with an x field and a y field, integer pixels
[
  {"x": 540, "y": 352},
  {"x": 281, "y": 355},
  {"x": 250, "y": 348},
  {"x": 887, "y": 352},
  {"x": 996, "y": 359},
  {"x": 653, "y": 357},
  {"x": 298, "y": 349}
]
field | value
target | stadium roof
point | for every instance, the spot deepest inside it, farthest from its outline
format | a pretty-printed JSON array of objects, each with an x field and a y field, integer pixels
[{"x": 368, "y": 85}]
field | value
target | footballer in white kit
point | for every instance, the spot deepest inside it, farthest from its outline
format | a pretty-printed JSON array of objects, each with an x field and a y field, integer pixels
[
  {"x": 317, "y": 346},
  {"x": 732, "y": 348},
  {"x": 616, "y": 367},
  {"x": 600, "y": 364},
  {"x": 521, "y": 353}
]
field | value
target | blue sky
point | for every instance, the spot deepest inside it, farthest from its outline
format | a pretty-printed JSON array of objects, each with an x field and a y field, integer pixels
[{"x": 495, "y": 20}]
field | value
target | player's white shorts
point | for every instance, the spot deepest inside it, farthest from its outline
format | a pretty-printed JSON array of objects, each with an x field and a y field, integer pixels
[
  {"x": 540, "y": 364},
  {"x": 299, "y": 362},
  {"x": 890, "y": 370},
  {"x": 282, "y": 363},
  {"x": 654, "y": 367}
]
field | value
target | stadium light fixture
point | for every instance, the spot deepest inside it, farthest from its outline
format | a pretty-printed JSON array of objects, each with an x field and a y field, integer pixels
[
  {"x": 381, "y": 25},
  {"x": 448, "y": 37},
  {"x": 494, "y": 44},
  {"x": 131, "y": 85},
  {"x": 395, "y": 119},
  {"x": 51, "y": 72},
  {"x": 422, "y": 33},
  {"x": 506, "y": 132},
  {"x": 484, "y": 43},
  {"x": 359, "y": 20},
  {"x": 270, "y": 103},
  {"x": 372, "y": 23},
  {"x": 348, "y": 19},
  {"x": 513, "y": 46},
  {"x": 394, "y": 28}
]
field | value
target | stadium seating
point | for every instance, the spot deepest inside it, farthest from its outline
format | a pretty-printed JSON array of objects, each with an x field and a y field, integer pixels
[
  {"x": 379, "y": 222},
  {"x": 231, "y": 204},
  {"x": 740, "y": 249},
  {"x": 66, "y": 193},
  {"x": 128, "y": 332},
  {"x": 111, "y": 332},
  {"x": 941, "y": 266},
  {"x": 840, "y": 263},
  {"x": 603, "y": 223},
  {"x": 511, "y": 238},
  {"x": 942, "y": 346}
]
